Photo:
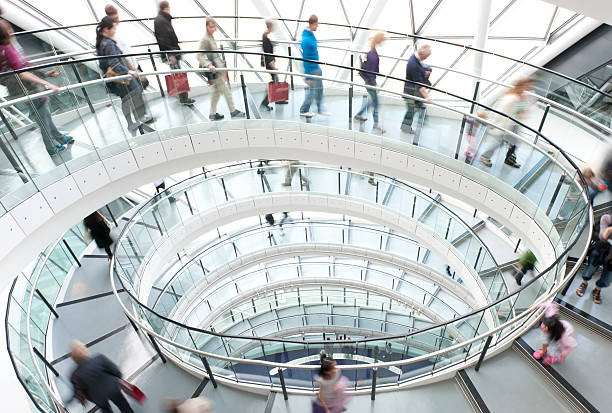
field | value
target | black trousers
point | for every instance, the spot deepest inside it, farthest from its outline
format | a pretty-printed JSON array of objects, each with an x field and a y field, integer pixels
[
  {"x": 265, "y": 101},
  {"x": 119, "y": 400}
]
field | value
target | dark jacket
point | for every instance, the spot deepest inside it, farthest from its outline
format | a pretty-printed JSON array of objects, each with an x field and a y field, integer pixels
[
  {"x": 108, "y": 47},
  {"x": 100, "y": 232},
  {"x": 415, "y": 72},
  {"x": 371, "y": 64},
  {"x": 164, "y": 32},
  {"x": 97, "y": 379}
]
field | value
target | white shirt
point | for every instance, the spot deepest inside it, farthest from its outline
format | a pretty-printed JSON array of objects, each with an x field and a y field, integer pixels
[{"x": 125, "y": 48}]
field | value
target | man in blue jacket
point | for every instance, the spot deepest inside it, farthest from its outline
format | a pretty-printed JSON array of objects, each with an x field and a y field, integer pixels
[
  {"x": 415, "y": 72},
  {"x": 310, "y": 51}
]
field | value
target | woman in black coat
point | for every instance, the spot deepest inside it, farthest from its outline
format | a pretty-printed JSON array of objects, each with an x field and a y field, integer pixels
[{"x": 100, "y": 231}]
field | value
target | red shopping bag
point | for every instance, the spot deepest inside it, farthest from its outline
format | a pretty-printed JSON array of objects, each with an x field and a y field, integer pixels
[
  {"x": 278, "y": 91},
  {"x": 177, "y": 83},
  {"x": 133, "y": 391}
]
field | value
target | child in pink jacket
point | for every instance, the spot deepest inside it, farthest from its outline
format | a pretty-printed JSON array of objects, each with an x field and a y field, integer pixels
[{"x": 559, "y": 338}]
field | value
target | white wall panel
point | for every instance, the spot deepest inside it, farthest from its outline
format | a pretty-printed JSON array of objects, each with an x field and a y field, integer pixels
[
  {"x": 205, "y": 142},
  {"x": 62, "y": 193},
  {"x": 120, "y": 165},
  {"x": 177, "y": 147},
  {"x": 446, "y": 178},
  {"x": 32, "y": 213},
  {"x": 394, "y": 159},
  {"x": 315, "y": 142},
  {"x": 12, "y": 234},
  {"x": 472, "y": 190},
  {"x": 420, "y": 168},
  {"x": 261, "y": 137},
  {"x": 91, "y": 178},
  {"x": 499, "y": 204},
  {"x": 288, "y": 138},
  {"x": 342, "y": 147},
  {"x": 233, "y": 139},
  {"x": 367, "y": 152},
  {"x": 149, "y": 155}
]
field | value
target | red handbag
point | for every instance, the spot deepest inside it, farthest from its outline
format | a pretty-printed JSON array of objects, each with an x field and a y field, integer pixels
[
  {"x": 133, "y": 391},
  {"x": 177, "y": 83},
  {"x": 278, "y": 91}
]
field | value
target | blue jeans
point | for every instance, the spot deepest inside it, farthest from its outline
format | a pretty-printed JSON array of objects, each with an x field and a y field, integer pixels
[
  {"x": 371, "y": 101},
  {"x": 39, "y": 112},
  {"x": 604, "y": 279},
  {"x": 314, "y": 90}
]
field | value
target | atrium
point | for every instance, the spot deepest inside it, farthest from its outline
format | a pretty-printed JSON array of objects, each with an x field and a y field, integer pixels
[{"x": 305, "y": 205}]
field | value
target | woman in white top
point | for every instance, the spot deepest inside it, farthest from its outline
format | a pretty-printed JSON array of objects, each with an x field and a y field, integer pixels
[
  {"x": 332, "y": 384},
  {"x": 512, "y": 104}
]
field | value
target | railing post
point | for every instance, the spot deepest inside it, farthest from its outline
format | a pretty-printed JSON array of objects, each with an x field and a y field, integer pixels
[
  {"x": 8, "y": 153},
  {"x": 556, "y": 194},
  {"x": 188, "y": 203},
  {"x": 374, "y": 371},
  {"x": 44, "y": 360},
  {"x": 244, "y": 96},
  {"x": 156, "y": 347},
  {"x": 78, "y": 76},
  {"x": 460, "y": 138},
  {"x": 42, "y": 297},
  {"x": 111, "y": 215},
  {"x": 290, "y": 67},
  {"x": 282, "y": 382},
  {"x": 350, "y": 102},
  {"x": 72, "y": 253},
  {"x": 483, "y": 353},
  {"x": 211, "y": 376},
  {"x": 546, "y": 109},
  {"x": 161, "y": 89}
]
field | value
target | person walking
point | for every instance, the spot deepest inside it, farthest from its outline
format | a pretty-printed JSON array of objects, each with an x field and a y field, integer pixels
[
  {"x": 415, "y": 73},
  {"x": 213, "y": 60},
  {"x": 97, "y": 227},
  {"x": 513, "y": 104},
  {"x": 371, "y": 64},
  {"x": 167, "y": 41},
  {"x": 269, "y": 61},
  {"x": 525, "y": 264},
  {"x": 310, "y": 51},
  {"x": 97, "y": 379},
  {"x": 558, "y": 336},
  {"x": 29, "y": 82},
  {"x": 130, "y": 90},
  {"x": 331, "y": 397},
  {"x": 599, "y": 255}
]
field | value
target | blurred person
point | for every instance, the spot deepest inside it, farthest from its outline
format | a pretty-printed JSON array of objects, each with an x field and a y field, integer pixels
[
  {"x": 371, "y": 64},
  {"x": 213, "y": 60},
  {"x": 291, "y": 170},
  {"x": 97, "y": 227},
  {"x": 599, "y": 255},
  {"x": 310, "y": 51},
  {"x": 525, "y": 264},
  {"x": 594, "y": 184},
  {"x": 30, "y": 82},
  {"x": 97, "y": 379},
  {"x": 269, "y": 61},
  {"x": 167, "y": 41},
  {"x": 514, "y": 104},
  {"x": 129, "y": 90},
  {"x": 331, "y": 397},
  {"x": 558, "y": 336},
  {"x": 415, "y": 72},
  {"x": 473, "y": 126},
  {"x": 193, "y": 405}
]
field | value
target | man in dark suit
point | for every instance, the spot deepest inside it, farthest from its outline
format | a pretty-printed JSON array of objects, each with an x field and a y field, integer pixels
[
  {"x": 97, "y": 379},
  {"x": 167, "y": 40}
]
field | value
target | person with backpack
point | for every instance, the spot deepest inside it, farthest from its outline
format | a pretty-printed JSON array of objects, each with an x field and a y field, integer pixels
[
  {"x": 558, "y": 336},
  {"x": 30, "y": 82},
  {"x": 599, "y": 255},
  {"x": 371, "y": 64}
]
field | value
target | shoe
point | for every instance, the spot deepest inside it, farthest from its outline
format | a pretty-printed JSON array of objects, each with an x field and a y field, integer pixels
[
  {"x": 324, "y": 113},
  {"x": 147, "y": 118},
  {"x": 283, "y": 102},
  {"x": 216, "y": 116},
  {"x": 597, "y": 295},
  {"x": 58, "y": 149},
  {"x": 378, "y": 129},
  {"x": 360, "y": 118},
  {"x": 518, "y": 279},
  {"x": 468, "y": 160},
  {"x": 582, "y": 288},
  {"x": 286, "y": 184},
  {"x": 68, "y": 140},
  {"x": 539, "y": 354},
  {"x": 307, "y": 114},
  {"x": 266, "y": 107},
  {"x": 407, "y": 129},
  {"x": 187, "y": 101},
  {"x": 371, "y": 182},
  {"x": 237, "y": 114},
  {"x": 133, "y": 127},
  {"x": 486, "y": 162},
  {"x": 512, "y": 162}
]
